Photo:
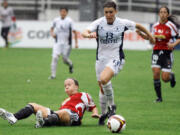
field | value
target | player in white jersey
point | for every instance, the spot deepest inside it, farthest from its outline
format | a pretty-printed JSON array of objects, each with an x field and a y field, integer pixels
[
  {"x": 61, "y": 30},
  {"x": 7, "y": 18},
  {"x": 109, "y": 32}
]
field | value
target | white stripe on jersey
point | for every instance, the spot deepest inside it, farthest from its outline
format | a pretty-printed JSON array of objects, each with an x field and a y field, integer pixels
[
  {"x": 110, "y": 37},
  {"x": 62, "y": 29},
  {"x": 172, "y": 26},
  {"x": 87, "y": 100}
]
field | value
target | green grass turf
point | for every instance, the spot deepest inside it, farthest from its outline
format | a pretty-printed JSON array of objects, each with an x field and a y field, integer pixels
[{"x": 134, "y": 93}]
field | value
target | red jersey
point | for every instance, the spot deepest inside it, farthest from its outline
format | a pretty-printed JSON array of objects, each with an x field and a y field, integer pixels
[
  {"x": 78, "y": 103},
  {"x": 164, "y": 33}
]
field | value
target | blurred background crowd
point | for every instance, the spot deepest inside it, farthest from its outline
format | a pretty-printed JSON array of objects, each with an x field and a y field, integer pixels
[{"x": 143, "y": 11}]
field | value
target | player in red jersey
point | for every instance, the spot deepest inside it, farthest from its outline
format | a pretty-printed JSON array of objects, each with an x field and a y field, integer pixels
[
  {"x": 167, "y": 37},
  {"x": 69, "y": 114}
]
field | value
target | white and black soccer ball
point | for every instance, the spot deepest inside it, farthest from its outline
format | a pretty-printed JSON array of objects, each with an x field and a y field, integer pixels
[{"x": 116, "y": 123}]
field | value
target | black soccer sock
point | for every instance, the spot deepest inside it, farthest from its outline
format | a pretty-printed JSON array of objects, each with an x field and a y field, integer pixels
[
  {"x": 171, "y": 76},
  {"x": 24, "y": 112},
  {"x": 51, "y": 120},
  {"x": 157, "y": 87}
]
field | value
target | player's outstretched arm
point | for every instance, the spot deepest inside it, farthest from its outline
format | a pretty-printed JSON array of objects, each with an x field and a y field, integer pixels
[
  {"x": 144, "y": 36},
  {"x": 145, "y": 33}
]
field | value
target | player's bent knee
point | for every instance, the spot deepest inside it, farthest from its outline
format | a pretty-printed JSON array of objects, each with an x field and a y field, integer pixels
[
  {"x": 165, "y": 79},
  {"x": 33, "y": 104},
  {"x": 106, "y": 75},
  {"x": 64, "y": 117},
  {"x": 103, "y": 80}
]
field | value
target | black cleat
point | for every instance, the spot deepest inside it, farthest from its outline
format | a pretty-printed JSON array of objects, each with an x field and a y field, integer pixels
[
  {"x": 102, "y": 119},
  {"x": 158, "y": 100},
  {"x": 111, "y": 110},
  {"x": 71, "y": 69},
  {"x": 173, "y": 80}
]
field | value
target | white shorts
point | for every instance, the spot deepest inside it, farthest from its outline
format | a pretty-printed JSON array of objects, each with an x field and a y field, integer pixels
[
  {"x": 115, "y": 64},
  {"x": 61, "y": 49}
]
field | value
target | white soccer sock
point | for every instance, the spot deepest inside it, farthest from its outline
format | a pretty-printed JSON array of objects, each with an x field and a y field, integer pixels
[
  {"x": 108, "y": 92},
  {"x": 103, "y": 102},
  {"x": 54, "y": 66}
]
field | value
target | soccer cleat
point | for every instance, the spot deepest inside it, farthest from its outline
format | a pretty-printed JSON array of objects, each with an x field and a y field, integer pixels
[
  {"x": 111, "y": 110},
  {"x": 158, "y": 100},
  {"x": 71, "y": 69},
  {"x": 8, "y": 116},
  {"x": 51, "y": 77},
  {"x": 173, "y": 80},
  {"x": 102, "y": 119},
  {"x": 39, "y": 119}
]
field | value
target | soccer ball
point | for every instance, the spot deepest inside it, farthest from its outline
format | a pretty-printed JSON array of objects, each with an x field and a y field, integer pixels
[{"x": 116, "y": 123}]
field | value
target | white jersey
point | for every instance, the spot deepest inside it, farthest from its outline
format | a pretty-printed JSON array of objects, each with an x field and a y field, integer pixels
[
  {"x": 6, "y": 15},
  {"x": 110, "y": 37},
  {"x": 63, "y": 29}
]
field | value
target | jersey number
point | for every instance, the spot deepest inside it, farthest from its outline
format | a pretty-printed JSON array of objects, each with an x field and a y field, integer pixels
[
  {"x": 155, "y": 59},
  {"x": 109, "y": 35}
]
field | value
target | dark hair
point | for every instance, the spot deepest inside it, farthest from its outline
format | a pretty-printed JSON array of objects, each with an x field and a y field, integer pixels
[
  {"x": 75, "y": 81},
  {"x": 171, "y": 18},
  {"x": 109, "y": 4},
  {"x": 64, "y": 8}
]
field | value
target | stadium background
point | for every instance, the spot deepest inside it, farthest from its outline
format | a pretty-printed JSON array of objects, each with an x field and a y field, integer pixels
[
  {"x": 39, "y": 13},
  {"x": 24, "y": 70}
]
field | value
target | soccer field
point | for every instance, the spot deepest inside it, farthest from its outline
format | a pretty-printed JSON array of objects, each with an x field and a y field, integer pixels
[{"x": 133, "y": 88}]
